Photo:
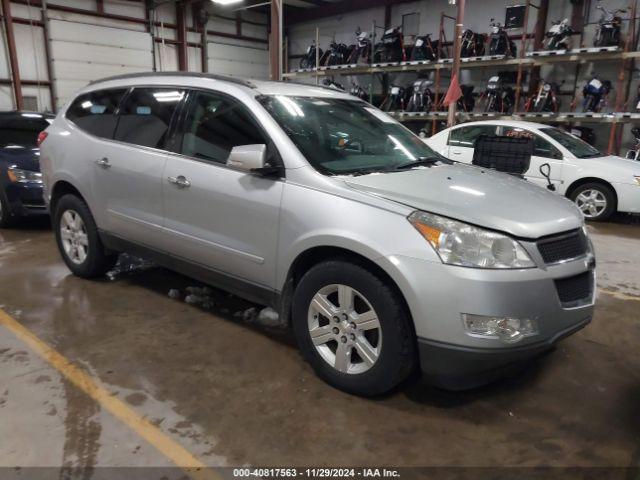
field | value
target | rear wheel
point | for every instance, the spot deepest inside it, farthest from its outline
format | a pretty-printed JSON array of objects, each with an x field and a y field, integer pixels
[
  {"x": 353, "y": 328},
  {"x": 78, "y": 239},
  {"x": 6, "y": 218},
  {"x": 596, "y": 201}
]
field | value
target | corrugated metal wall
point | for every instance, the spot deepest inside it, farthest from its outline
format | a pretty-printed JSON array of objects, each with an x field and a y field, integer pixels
[{"x": 87, "y": 47}]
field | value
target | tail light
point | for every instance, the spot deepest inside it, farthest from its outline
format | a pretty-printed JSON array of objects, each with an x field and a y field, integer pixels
[{"x": 41, "y": 138}]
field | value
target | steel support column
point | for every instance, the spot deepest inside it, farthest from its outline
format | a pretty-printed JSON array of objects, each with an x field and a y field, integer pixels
[
  {"x": 181, "y": 26},
  {"x": 275, "y": 40},
  {"x": 13, "y": 56},
  {"x": 455, "y": 72}
]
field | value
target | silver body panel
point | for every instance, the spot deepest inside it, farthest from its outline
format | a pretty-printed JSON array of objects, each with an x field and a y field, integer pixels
[{"x": 253, "y": 228}]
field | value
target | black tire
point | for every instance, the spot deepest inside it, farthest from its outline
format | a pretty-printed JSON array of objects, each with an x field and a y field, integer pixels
[
  {"x": 7, "y": 219},
  {"x": 397, "y": 356},
  {"x": 97, "y": 261},
  {"x": 608, "y": 194}
]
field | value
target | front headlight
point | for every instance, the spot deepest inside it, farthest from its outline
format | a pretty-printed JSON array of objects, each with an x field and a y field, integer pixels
[
  {"x": 24, "y": 176},
  {"x": 458, "y": 243}
]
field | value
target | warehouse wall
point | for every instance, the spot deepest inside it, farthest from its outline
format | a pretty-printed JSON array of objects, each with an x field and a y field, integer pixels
[
  {"x": 86, "y": 47},
  {"x": 478, "y": 15}
]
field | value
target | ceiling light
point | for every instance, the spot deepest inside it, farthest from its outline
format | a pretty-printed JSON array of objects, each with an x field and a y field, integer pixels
[{"x": 226, "y": 2}]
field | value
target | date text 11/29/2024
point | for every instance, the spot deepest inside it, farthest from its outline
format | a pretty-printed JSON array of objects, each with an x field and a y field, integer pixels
[{"x": 323, "y": 472}]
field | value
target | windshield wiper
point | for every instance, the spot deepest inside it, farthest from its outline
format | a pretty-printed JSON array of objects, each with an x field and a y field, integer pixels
[{"x": 416, "y": 163}]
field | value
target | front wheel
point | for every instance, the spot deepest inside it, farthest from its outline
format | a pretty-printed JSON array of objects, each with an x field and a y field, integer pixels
[
  {"x": 596, "y": 201},
  {"x": 353, "y": 328},
  {"x": 78, "y": 240}
]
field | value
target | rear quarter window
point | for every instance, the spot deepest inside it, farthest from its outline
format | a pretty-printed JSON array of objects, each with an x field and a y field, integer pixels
[{"x": 94, "y": 112}]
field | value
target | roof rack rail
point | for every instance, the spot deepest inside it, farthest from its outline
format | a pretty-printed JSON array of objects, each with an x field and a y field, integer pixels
[{"x": 211, "y": 76}]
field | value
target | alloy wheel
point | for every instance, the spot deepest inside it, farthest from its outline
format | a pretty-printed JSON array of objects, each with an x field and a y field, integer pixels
[
  {"x": 592, "y": 203},
  {"x": 345, "y": 329},
  {"x": 73, "y": 234}
]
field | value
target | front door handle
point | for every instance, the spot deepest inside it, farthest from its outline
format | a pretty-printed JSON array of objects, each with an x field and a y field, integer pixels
[
  {"x": 180, "y": 181},
  {"x": 103, "y": 162},
  {"x": 456, "y": 152}
]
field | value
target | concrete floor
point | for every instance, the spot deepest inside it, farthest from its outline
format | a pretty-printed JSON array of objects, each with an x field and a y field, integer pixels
[{"x": 234, "y": 394}]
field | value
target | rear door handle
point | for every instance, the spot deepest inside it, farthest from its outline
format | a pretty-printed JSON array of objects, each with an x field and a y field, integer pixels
[
  {"x": 103, "y": 162},
  {"x": 180, "y": 181}
]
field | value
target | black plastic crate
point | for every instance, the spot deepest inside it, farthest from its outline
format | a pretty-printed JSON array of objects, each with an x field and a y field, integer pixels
[{"x": 505, "y": 154}]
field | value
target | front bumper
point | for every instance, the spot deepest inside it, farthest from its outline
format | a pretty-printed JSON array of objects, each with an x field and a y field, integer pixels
[
  {"x": 439, "y": 294},
  {"x": 26, "y": 199}
]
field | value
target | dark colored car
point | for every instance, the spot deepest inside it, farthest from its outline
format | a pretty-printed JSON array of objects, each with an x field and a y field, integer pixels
[{"x": 20, "y": 178}]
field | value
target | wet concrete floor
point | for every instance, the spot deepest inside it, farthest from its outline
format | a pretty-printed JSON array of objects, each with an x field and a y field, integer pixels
[{"x": 232, "y": 393}]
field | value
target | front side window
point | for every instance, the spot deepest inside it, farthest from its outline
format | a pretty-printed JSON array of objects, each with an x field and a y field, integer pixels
[
  {"x": 579, "y": 148},
  {"x": 541, "y": 147},
  {"x": 145, "y": 116},
  {"x": 339, "y": 136},
  {"x": 94, "y": 112},
  {"x": 215, "y": 124},
  {"x": 467, "y": 136}
]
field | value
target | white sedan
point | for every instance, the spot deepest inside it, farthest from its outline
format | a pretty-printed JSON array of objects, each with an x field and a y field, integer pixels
[{"x": 599, "y": 184}]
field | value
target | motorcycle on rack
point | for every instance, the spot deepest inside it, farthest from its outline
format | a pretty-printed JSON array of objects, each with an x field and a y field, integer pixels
[
  {"x": 499, "y": 97},
  {"x": 424, "y": 49},
  {"x": 308, "y": 60},
  {"x": 421, "y": 99},
  {"x": 336, "y": 55},
  {"x": 634, "y": 152},
  {"x": 547, "y": 99},
  {"x": 391, "y": 47},
  {"x": 335, "y": 85},
  {"x": 361, "y": 52},
  {"x": 472, "y": 44},
  {"x": 499, "y": 41},
  {"x": 395, "y": 100},
  {"x": 559, "y": 36},
  {"x": 608, "y": 28},
  {"x": 357, "y": 91},
  {"x": 595, "y": 94},
  {"x": 466, "y": 102}
]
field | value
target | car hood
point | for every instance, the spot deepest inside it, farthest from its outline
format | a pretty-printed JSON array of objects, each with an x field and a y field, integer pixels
[
  {"x": 23, "y": 158},
  {"x": 623, "y": 169},
  {"x": 482, "y": 197}
]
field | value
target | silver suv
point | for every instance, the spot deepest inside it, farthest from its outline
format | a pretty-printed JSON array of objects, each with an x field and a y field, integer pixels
[{"x": 380, "y": 254}]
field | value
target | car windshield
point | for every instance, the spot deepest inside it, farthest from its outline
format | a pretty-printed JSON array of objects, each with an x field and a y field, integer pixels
[
  {"x": 339, "y": 136},
  {"x": 579, "y": 148}
]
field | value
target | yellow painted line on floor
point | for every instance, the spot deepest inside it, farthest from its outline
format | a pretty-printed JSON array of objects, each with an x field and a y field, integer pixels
[
  {"x": 143, "y": 427},
  {"x": 620, "y": 295}
]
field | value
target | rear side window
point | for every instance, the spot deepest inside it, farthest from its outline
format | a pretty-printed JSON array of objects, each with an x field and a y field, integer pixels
[
  {"x": 94, "y": 112},
  {"x": 145, "y": 116},
  {"x": 466, "y": 136},
  {"x": 215, "y": 124}
]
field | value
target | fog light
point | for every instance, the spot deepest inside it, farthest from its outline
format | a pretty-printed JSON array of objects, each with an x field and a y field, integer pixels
[{"x": 507, "y": 329}]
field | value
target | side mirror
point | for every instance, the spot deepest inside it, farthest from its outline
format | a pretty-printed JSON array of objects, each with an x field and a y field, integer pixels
[
  {"x": 545, "y": 171},
  {"x": 250, "y": 159}
]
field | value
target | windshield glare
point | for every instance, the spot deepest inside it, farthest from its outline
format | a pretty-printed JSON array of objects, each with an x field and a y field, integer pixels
[
  {"x": 579, "y": 148},
  {"x": 339, "y": 136}
]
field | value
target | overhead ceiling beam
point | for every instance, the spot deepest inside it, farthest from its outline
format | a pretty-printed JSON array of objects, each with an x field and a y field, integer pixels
[{"x": 336, "y": 8}]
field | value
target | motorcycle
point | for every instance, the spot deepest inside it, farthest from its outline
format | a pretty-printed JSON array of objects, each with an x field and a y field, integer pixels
[
  {"x": 558, "y": 36},
  {"x": 634, "y": 152},
  {"x": 336, "y": 55},
  {"x": 424, "y": 49},
  {"x": 595, "y": 94},
  {"x": 608, "y": 28},
  {"x": 583, "y": 133},
  {"x": 499, "y": 97},
  {"x": 357, "y": 91},
  {"x": 335, "y": 85},
  {"x": 395, "y": 100},
  {"x": 499, "y": 41},
  {"x": 466, "y": 102},
  {"x": 421, "y": 98},
  {"x": 546, "y": 100},
  {"x": 361, "y": 53},
  {"x": 391, "y": 47},
  {"x": 309, "y": 59},
  {"x": 472, "y": 44}
]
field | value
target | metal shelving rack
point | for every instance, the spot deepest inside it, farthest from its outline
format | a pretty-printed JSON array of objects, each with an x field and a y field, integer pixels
[{"x": 526, "y": 60}]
